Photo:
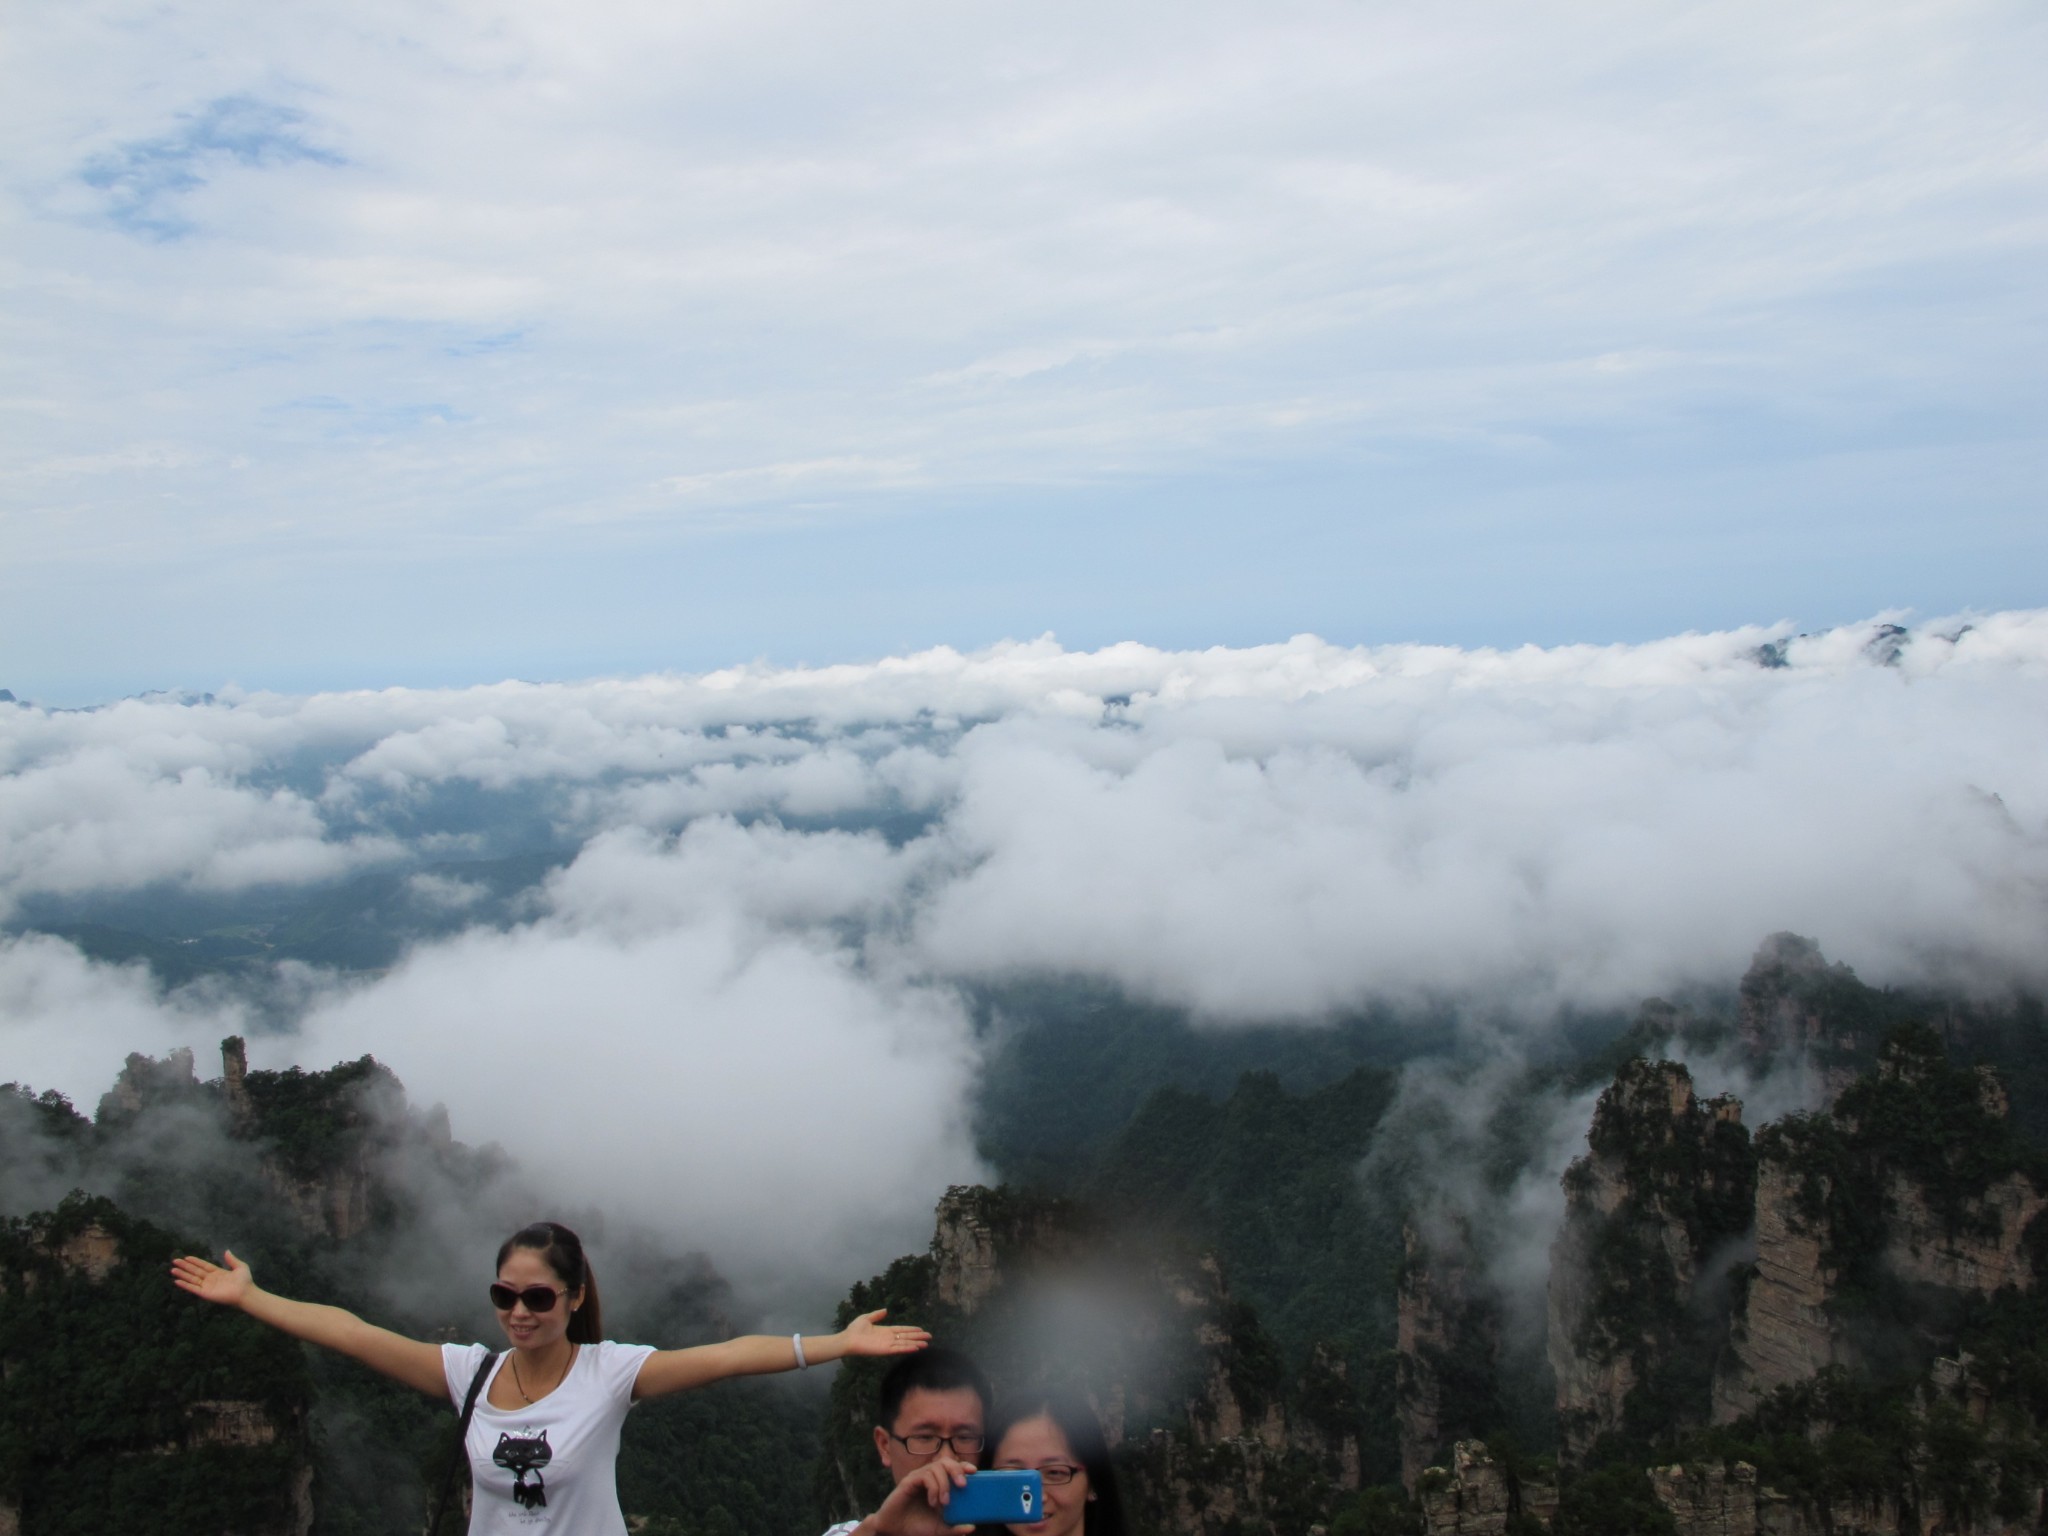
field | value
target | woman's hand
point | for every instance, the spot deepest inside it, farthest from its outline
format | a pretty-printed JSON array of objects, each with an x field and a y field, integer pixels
[
  {"x": 229, "y": 1287},
  {"x": 865, "y": 1335}
]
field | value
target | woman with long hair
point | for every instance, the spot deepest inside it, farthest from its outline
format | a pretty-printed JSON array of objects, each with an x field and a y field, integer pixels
[
  {"x": 1057, "y": 1436},
  {"x": 544, "y": 1432}
]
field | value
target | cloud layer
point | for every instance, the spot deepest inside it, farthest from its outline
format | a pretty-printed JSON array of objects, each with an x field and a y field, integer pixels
[{"x": 772, "y": 885}]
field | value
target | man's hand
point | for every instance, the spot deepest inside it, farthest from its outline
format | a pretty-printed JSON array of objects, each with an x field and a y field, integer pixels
[{"x": 912, "y": 1508}]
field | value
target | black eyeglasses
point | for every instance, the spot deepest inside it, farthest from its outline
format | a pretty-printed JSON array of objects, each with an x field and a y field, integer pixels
[
  {"x": 1056, "y": 1475},
  {"x": 538, "y": 1298},
  {"x": 963, "y": 1444}
]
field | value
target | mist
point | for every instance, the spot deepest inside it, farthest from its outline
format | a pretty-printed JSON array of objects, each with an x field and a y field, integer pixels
[{"x": 734, "y": 1002}]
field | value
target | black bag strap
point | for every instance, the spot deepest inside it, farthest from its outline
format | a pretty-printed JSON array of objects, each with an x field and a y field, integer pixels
[{"x": 476, "y": 1388}]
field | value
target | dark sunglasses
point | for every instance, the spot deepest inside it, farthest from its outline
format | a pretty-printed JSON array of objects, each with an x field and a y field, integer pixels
[{"x": 538, "y": 1298}]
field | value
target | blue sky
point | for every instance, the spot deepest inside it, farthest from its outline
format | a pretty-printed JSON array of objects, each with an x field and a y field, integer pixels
[{"x": 374, "y": 344}]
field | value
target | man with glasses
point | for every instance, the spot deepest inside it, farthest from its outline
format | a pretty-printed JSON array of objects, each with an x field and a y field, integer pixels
[{"x": 934, "y": 1407}]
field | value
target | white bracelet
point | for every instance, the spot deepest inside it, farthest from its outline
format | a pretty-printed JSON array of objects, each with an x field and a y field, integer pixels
[{"x": 797, "y": 1340}]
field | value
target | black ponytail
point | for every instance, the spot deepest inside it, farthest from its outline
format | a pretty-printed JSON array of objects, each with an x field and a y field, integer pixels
[{"x": 562, "y": 1251}]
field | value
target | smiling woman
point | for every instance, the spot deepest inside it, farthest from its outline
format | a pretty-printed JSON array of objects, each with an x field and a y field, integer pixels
[
  {"x": 1057, "y": 1436},
  {"x": 541, "y": 1420}
]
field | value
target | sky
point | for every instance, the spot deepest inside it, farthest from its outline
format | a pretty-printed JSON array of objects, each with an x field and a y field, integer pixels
[
  {"x": 398, "y": 345},
  {"x": 779, "y": 890}
]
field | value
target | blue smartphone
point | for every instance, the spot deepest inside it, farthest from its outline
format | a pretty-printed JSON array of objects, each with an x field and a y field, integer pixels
[{"x": 997, "y": 1498}]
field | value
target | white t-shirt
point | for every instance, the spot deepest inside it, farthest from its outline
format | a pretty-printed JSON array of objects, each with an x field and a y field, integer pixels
[{"x": 552, "y": 1466}]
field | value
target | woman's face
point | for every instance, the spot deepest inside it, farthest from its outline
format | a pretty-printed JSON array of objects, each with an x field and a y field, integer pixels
[
  {"x": 1034, "y": 1445},
  {"x": 527, "y": 1329}
]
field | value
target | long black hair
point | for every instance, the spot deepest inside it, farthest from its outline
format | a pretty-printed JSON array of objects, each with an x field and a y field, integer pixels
[
  {"x": 1105, "y": 1511},
  {"x": 562, "y": 1251}
]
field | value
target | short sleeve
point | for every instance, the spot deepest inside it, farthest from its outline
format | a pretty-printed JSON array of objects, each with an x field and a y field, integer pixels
[
  {"x": 618, "y": 1367},
  {"x": 459, "y": 1364}
]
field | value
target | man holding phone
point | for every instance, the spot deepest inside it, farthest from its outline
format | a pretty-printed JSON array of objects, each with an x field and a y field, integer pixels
[{"x": 933, "y": 1410}]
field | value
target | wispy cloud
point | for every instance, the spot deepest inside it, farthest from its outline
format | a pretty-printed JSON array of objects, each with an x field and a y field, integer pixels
[
  {"x": 145, "y": 180},
  {"x": 1451, "y": 295}
]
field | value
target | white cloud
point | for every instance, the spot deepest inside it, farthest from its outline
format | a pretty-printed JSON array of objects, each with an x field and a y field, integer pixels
[
  {"x": 67, "y": 1023},
  {"x": 753, "y": 1094},
  {"x": 1283, "y": 830},
  {"x": 98, "y": 821},
  {"x": 510, "y": 258},
  {"x": 740, "y": 994}
]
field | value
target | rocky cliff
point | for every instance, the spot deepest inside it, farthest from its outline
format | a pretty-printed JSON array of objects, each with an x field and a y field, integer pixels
[
  {"x": 317, "y": 1178},
  {"x": 113, "y": 1402},
  {"x": 1475, "y": 1494},
  {"x": 1878, "y": 1362},
  {"x": 1657, "y": 1213},
  {"x": 1910, "y": 1184},
  {"x": 1211, "y": 1433},
  {"x": 1799, "y": 1015},
  {"x": 1446, "y": 1343}
]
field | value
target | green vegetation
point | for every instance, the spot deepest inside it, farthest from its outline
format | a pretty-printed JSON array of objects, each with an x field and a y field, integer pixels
[
  {"x": 1269, "y": 1181},
  {"x": 1071, "y": 1062},
  {"x": 1611, "y": 1500},
  {"x": 1134, "y": 1144},
  {"x": 109, "y": 1372},
  {"x": 87, "y": 1360},
  {"x": 1694, "y": 1173},
  {"x": 312, "y": 1120}
]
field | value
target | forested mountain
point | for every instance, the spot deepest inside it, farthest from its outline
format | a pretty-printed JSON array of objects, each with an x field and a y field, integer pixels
[
  {"x": 334, "y": 1189},
  {"x": 1294, "y": 1269}
]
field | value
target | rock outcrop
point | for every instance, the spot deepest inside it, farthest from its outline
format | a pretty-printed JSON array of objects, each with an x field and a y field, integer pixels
[
  {"x": 1446, "y": 1331},
  {"x": 1798, "y": 1014},
  {"x": 1985, "y": 1255},
  {"x": 1714, "y": 1500},
  {"x": 1655, "y": 1212},
  {"x": 974, "y": 1226},
  {"x": 1186, "y": 1385},
  {"x": 1783, "y": 1332},
  {"x": 145, "y": 1081},
  {"x": 85, "y": 1328},
  {"x": 1910, "y": 1179},
  {"x": 1725, "y": 1501},
  {"x": 1474, "y": 1495}
]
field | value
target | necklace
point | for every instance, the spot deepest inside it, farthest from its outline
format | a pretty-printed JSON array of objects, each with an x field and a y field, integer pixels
[{"x": 520, "y": 1382}]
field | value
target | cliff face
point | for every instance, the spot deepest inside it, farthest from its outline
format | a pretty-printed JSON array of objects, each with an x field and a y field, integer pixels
[
  {"x": 1447, "y": 1344},
  {"x": 1474, "y": 1495},
  {"x": 1654, "y": 1213},
  {"x": 975, "y": 1228},
  {"x": 328, "y": 1174},
  {"x": 1797, "y": 1013},
  {"x": 102, "y": 1418},
  {"x": 1981, "y": 1255},
  {"x": 1210, "y": 1434},
  {"x": 1725, "y": 1501},
  {"x": 1783, "y": 1331},
  {"x": 323, "y": 1134},
  {"x": 1912, "y": 1181},
  {"x": 1717, "y": 1500},
  {"x": 321, "y": 1142}
]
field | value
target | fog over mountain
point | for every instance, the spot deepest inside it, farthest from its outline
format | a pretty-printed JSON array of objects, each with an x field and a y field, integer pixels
[{"x": 733, "y": 985}]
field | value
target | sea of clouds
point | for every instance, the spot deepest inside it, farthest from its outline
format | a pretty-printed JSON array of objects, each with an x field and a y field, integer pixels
[{"x": 739, "y": 1003}]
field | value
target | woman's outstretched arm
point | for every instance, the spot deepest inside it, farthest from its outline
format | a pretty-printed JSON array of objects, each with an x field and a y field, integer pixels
[
  {"x": 759, "y": 1354},
  {"x": 407, "y": 1360}
]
